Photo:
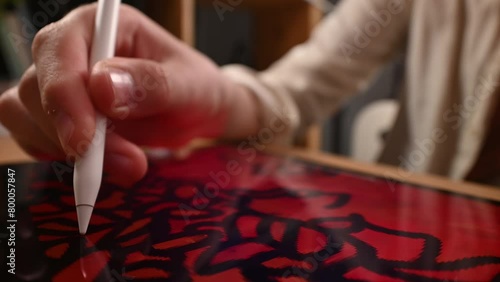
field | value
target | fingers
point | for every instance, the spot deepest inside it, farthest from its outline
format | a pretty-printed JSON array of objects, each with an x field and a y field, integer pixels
[
  {"x": 124, "y": 162},
  {"x": 29, "y": 95},
  {"x": 16, "y": 118},
  {"x": 60, "y": 53},
  {"x": 61, "y": 61}
]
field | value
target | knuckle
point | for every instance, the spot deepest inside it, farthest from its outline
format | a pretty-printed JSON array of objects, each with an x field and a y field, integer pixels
[{"x": 46, "y": 34}]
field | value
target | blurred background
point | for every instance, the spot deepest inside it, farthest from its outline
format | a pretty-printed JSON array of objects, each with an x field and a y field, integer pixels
[{"x": 250, "y": 32}]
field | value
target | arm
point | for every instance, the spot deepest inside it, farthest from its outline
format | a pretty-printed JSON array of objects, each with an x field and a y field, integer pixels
[
  {"x": 339, "y": 60},
  {"x": 160, "y": 92}
]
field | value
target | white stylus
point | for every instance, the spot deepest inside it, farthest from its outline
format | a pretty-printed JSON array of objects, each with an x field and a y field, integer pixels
[{"x": 88, "y": 169}]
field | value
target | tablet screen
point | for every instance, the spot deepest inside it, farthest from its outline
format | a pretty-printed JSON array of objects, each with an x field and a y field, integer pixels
[{"x": 225, "y": 214}]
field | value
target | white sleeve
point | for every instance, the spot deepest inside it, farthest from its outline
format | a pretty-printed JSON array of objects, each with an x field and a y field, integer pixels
[{"x": 340, "y": 58}]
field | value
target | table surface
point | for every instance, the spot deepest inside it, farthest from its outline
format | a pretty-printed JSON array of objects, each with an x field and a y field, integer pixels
[{"x": 10, "y": 152}]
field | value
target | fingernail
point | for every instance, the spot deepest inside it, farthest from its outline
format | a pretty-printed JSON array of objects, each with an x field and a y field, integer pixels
[
  {"x": 65, "y": 128},
  {"x": 123, "y": 85}
]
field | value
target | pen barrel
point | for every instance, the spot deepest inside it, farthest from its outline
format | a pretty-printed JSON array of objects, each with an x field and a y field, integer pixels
[
  {"x": 89, "y": 167},
  {"x": 105, "y": 30}
]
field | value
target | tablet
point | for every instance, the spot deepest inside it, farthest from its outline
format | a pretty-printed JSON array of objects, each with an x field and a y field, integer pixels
[{"x": 225, "y": 214}]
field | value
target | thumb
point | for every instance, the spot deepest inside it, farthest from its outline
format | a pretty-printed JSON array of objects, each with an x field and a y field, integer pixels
[{"x": 127, "y": 88}]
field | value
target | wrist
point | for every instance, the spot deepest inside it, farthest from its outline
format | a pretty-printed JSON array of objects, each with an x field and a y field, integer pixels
[{"x": 242, "y": 117}]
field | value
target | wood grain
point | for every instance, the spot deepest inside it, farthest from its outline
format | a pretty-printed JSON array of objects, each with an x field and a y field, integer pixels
[{"x": 392, "y": 174}]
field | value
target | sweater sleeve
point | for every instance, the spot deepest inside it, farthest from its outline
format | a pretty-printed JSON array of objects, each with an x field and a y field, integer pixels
[{"x": 341, "y": 57}]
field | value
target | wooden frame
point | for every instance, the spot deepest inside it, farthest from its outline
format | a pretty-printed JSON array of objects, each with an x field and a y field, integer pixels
[{"x": 394, "y": 174}]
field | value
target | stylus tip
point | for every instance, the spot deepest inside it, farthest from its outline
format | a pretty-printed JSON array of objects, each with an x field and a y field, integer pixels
[{"x": 83, "y": 213}]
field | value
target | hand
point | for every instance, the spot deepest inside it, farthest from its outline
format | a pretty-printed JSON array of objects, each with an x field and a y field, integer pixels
[{"x": 155, "y": 92}]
